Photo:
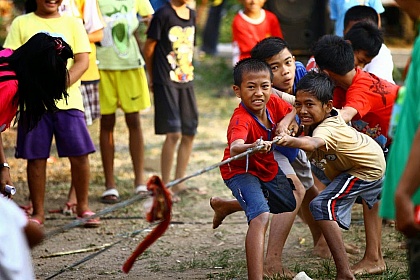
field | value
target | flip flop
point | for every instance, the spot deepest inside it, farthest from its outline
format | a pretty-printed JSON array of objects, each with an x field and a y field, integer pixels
[
  {"x": 36, "y": 221},
  {"x": 141, "y": 189},
  {"x": 110, "y": 196},
  {"x": 89, "y": 223}
]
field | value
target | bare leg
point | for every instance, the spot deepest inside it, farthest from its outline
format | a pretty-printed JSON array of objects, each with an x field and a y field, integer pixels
[
  {"x": 183, "y": 157},
  {"x": 372, "y": 262},
  {"x": 167, "y": 156},
  {"x": 222, "y": 208},
  {"x": 334, "y": 239},
  {"x": 36, "y": 172},
  {"x": 136, "y": 144},
  {"x": 106, "y": 141},
  {"x": 80, "y": 176},
  {"x": 254, "y": 245},
  {"x": 321, "y": 248},
  {"x": 279, "y": 231}
]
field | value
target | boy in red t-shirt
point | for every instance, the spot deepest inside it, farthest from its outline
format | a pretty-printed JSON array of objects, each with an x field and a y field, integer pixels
[
  {"x": 366, "y": 101},
  {"x": 256, "y": 181},
  {"x": 251, "y": 25}
]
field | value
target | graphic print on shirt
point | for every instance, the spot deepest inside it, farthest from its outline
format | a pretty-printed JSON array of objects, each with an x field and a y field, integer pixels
[
  {"x": 180, "y": 59},
  {"x": 120, "y": 23}
]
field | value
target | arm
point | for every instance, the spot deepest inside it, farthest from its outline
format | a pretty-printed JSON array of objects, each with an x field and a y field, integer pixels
[
  {"x": 81, "y": 64},
  {"x": 285, "y": 96},
  {"x": 96, "y": 36},
  {"x": 347, "y": 113},
  {"x": 284, "y": 124},
  {"x": 408, "y": 185},
  {"x": 148, "y": 53},
  {"x": 306, "y": 143}
]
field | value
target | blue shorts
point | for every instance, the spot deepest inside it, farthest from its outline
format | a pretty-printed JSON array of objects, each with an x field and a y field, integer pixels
[
  {"x": 69, "y": 128},
  {"x": 257, "y": 197},
  {"x": 335, "y": 202},
  {"x": 175, "y": 110}
]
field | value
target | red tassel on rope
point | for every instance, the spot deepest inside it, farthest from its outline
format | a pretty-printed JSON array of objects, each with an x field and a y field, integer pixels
[{"x": 160, "y": 211}]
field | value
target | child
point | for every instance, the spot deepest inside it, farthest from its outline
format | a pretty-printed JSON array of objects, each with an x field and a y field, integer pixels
[
  {"x": 251, "y": 25},
  {"x": 169, "y": 52},
  {"x": 262, "y": 188},
  {"x": 367, "y": 102},
  {"x": 338, "y": 9},
  {"x": 88, "y": 11},
  {"x": 66, "y": 124},
  {"x": 19, "y": 237},
  {"x": 293, "y": 162},
  {"x": 400, "y": 192},
  {"x": 382, "y": 64},
  {"x": 19, "y": 73},
  {"x": 353, "y": 162},
  {"x": 123, "y": 85}
]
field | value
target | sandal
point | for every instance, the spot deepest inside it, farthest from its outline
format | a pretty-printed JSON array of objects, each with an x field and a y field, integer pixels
[
  {"x": 35, "y": 221},
  {"x": 142, "y": 189},
  {"x": 110, "y": 196},
  {"x": 89, "y": 223}
]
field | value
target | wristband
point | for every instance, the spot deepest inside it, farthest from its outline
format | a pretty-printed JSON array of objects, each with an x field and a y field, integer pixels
[{"x": 5, "y": 164}]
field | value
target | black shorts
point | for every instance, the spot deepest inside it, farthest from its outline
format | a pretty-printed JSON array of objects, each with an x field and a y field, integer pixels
[{"x": 175, "y": 110}]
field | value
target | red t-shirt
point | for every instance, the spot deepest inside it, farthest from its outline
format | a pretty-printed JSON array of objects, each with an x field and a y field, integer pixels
[
  {"x": 244, "y": 125},
  {"x": 373, "y": 98},
  {"x": 8, "y": 90},
  {"x": 248, "y": 32}
]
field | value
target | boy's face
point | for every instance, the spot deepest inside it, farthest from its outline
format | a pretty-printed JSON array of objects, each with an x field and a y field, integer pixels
[
  {"x": 361, "y": 58},
  {"x": 283, "y": 67},
  {"x": 252, "y": 5},
  {"x": 309, "y": 109},
  {"x": 254, "y": 91}
]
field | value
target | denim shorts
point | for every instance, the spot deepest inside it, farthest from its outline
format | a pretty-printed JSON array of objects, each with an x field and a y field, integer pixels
[
  {"x": 257, "y": 197},
  {"x": 69, "y": 130}
]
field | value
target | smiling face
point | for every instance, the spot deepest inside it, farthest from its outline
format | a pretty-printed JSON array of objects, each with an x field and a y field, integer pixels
[
  {"x": 47, "y": 8},
  {"x": 310, "y": 109},
  {"x": 283, "y": 67},
  {"x": 254, "y": 91}
]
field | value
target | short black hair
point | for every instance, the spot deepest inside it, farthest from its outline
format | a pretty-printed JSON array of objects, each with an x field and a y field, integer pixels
[
  {"x": 361, "y": 13},
  {"x": 249, "y": 65},
  {"x": 333, "y": 53},
  {"x": 319, "y": 85},
  {"x": 269, "y": 47},
  {"x": 365, "y": 36}
]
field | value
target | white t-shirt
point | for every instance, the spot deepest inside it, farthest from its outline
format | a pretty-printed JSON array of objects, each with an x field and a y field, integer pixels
[
  {"x": 15, "y": 255},
  {"x": 382, "y": 65}
]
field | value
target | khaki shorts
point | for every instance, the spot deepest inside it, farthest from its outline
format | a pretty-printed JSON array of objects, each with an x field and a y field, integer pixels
[{"x": 125, "y": 89}]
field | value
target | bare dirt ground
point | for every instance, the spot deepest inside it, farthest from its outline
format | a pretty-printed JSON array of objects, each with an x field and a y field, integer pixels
[{"x": 190, "y": 249}]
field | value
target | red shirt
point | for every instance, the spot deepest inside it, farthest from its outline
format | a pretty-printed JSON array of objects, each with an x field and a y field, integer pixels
[
  {"x": 8, "y": 90},
  {"x": 247, "y": 33},
  {"x": 244, "y": 125},
  {"x": 373, "y": 98}
]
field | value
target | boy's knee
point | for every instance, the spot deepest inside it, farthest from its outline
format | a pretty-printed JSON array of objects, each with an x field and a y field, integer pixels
[{"x": 315, "y": 206}]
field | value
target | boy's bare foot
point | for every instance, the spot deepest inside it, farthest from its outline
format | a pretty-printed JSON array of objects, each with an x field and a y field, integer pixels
[
  {"x": 219, "y": 213},
  {"x": 368, "y": 267},
  {"x": 322, "y": 251},
  {"x": 351, "y": 249},
  {"x": 275, "y": 269}
]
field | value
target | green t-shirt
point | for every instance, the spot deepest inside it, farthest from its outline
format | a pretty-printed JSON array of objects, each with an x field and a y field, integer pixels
[{"x": 408, "y": 123}]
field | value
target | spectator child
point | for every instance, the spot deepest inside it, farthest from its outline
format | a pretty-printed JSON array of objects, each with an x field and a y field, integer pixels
[
  {"x": 262, "y": 188},
  {"x": 20, "y": 81},
  {"x": 123, "y": 85},
  {"x": 251, "y": 25},
  {"x": 353, "y": 162},
  {"x": 67, "y": 124},
  {"x": 367, "y": 102},
  {"x": 338, "y": 9},
  {"x": 169, "y": 52}
]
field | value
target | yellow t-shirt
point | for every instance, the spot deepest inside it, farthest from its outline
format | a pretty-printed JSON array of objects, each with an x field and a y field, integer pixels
[
  {"x": 347, "y": 150},
  {"x": 69, "y": 28}
]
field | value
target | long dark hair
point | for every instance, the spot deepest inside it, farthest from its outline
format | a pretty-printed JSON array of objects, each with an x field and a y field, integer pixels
[{"x": 40, "y": 67}]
